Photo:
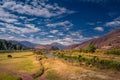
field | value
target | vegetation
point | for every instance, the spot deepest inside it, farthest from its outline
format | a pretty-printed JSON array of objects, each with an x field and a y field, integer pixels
[
  {"x": 52, "y": 75},
  {"x": 94, "y": 61},
  {"x": 7, "y": 45},
  {"x": 24, "y": 62},
  {"x": 91, "y": 48},
  {"x": 114, "y": 52},
  {"x": 6, "y": 76},
  {"x": 66, "y": 65}
]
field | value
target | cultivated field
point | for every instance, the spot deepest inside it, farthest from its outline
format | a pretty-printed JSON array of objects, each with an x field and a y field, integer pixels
[{"x": 59, "y": 65}]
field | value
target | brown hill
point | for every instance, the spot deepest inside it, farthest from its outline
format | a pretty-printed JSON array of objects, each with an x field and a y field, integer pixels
[
  {"x": 108, "y": 41},
  {"x": 45, "y": 47}
]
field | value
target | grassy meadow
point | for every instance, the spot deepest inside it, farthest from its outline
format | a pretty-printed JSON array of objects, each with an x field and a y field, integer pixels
[
  {"x": 24, "y": 62},
  {"x": 62, "y": 65}
]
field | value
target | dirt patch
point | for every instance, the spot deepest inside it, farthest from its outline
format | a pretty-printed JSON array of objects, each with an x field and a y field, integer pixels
[{"x": 24, "y": 76}]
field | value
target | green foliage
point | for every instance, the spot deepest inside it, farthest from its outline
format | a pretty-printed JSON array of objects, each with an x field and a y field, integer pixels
[
  {"x": 7, "y": 45},
  {"x": 94, "y": 61},
  {"x": 102, "y": 63},
  {"x": 91, "y": 48},
  {"x": 115, "y": 52}
]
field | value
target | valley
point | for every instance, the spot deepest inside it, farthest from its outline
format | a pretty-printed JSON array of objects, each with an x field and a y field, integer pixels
[
  {"x": 36, "y": 65},
  {"x": 59, "y": 39}
]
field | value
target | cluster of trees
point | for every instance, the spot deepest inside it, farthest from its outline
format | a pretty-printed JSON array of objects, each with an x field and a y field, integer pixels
[{"x": 7, "y": 45}]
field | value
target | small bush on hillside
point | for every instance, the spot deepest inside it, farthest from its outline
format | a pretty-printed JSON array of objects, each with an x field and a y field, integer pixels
[{"x": 91, "y": 48}]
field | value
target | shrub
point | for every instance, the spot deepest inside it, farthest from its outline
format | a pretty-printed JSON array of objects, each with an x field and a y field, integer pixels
[{"x": 91, "y": 48}]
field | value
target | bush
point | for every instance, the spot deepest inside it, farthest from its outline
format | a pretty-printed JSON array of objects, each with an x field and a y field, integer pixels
[{"x": 91, "y": 48}]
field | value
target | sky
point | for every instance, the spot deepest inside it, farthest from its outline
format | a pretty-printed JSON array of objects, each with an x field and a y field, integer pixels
[{"x": 63, "y": 21}]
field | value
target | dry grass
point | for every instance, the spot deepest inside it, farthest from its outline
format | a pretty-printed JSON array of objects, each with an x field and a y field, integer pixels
[{"x": 56, "y": 69}]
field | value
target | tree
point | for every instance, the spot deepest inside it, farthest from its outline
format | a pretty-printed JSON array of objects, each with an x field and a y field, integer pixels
[{"x": 91, "y": 48}]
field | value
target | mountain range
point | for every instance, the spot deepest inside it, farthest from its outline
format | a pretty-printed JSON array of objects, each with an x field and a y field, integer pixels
[
  {"x": 108, "y": 41},
  {"x": 54, "y": 45}
]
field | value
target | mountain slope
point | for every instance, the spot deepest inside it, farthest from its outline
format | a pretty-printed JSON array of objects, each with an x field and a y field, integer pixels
[
  {"x": 25, "y": 43},
  {"x": 58, "y": 45},
  {"x": 108, "y": 41},
  {"x": 45, "y": 47},
  {"x": 28, "y": 44}
]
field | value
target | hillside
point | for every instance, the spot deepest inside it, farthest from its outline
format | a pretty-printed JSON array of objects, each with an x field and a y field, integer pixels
[
  {"x": 108, "y": 41},
  {"x": 51, "y": 46},
  {"x": 58, "y": 45},
  {"x": 25, "y": 43},
  {"x": 46, "y": 47}
]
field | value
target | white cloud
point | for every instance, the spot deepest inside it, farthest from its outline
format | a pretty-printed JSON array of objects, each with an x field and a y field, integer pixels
[
  {"x": 4, "y": 13},
  {"x": 54, "y": 31},
  {"x": 43, "y": 33},
  {"x": 11, "y": 37},
  {"x": 18, "y": 30},
  {"x": 3, "y": 29},
  {"x": 64, "y": 24},
  {"x": 60, "y": 34},
  {"x": 8, "y": 20},
  {"x": 51, "y": 36},
  {"x": 99, "y": 29},
  {"x": 32, "y": 27},
  {"x": 23, "y": 35},
  {"x": 113, "y": 23},
  {"x": 71, "y": 38},
  {"x": 43, "y": 9},
  {"x": 65, "y": 41},
  {"x": 7, "y": 17}
]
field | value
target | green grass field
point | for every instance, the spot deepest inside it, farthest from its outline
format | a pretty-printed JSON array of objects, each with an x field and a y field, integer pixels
[
  {"x": 24, "y": 65},
  {"x": 24, "y": 62}
]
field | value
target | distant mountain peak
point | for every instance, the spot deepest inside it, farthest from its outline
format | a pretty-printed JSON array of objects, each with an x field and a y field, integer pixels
[{"x": 56, "y": 44}]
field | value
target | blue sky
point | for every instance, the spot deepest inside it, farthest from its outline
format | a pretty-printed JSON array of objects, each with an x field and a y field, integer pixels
[{"x": 63, "y": 21}]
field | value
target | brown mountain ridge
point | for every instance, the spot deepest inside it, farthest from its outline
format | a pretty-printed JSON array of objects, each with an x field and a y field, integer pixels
[{"x": 108, "y": 41}]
